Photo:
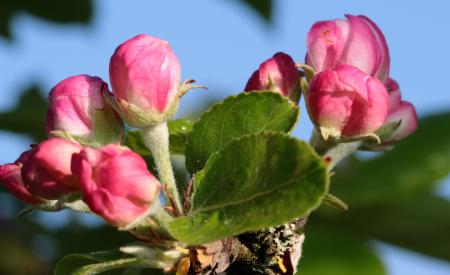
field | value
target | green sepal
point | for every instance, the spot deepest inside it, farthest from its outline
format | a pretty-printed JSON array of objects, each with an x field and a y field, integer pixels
[
  {"x": 332, "y": 135},
  {"x": 140, "y": 118},
  {"x": 385, "y": 132},
  {"x": 71, "y": 201},
  {"x": 107, "y": 128}
]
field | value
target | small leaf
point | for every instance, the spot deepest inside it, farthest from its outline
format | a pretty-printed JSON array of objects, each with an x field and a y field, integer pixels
[
  {"x": 93, "y": 263},
  {"x": 178, "y": 130},
  {"x": 335, "y": 202},
  {"x": 239, "y": 115},
  {"x": 98, "y": 262},
  {"x": 254, "y": 182}
]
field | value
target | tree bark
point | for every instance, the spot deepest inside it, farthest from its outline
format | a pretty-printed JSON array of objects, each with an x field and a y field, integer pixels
[{"x": 275, "y": 250}]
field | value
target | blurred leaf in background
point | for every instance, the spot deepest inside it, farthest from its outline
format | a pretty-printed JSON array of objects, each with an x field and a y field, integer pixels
[
  {"x": 28, "y": 116},
  {"x": 412, "y": 168},
  {"x": 391, "y": 198},
  {"x": 327, "y": 252},
  {"x": 16, "y": 258},
  {"x": 62, "y": 12},
  {"x": 30, "y": 246},
  {"x": 264, "y": 8}
]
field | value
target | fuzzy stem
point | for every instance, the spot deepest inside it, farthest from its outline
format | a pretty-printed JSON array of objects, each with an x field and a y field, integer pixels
[
  {"x": 157, "y": 220},
  {"x": 333, "y": 153},
  {"x": 318, "y": 143},
  {"x": 340, "y": 151},
  {"x": 161, "y": 217},
  {"x": 156, "y": 138}
]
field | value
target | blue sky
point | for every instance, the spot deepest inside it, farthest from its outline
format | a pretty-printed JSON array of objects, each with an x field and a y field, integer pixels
[{"x": 220, "y": 43}]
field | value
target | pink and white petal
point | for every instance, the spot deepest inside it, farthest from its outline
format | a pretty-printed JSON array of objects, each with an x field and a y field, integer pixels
[
  {"x": 326, "y": 43},
  {"x": 409, "y": 122},
  {"x": 382, "y": 72},
  {"x": 378, "y": 105},
  {"x": 362, "y": 51},
  {"x": 11, "y": 178}
]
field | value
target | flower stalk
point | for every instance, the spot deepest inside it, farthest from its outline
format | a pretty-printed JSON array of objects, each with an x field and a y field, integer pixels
[
  {"x": 339, "y": 152},
  {"x": 156, "y": 138}
]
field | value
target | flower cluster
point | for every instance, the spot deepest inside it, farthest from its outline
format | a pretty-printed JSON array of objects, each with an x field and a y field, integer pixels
[
  {"x": 85, "y": 127},
  {"x": 346, "y": 83},
  {"x": 351, "y": 95},
  {"x": 231, "y": 152}
]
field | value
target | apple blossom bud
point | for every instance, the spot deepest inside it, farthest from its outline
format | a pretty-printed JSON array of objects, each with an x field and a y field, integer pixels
[
  {"x": 356, "y": 41},
  {"x": 145, "y": 75},
  {"x": 10, "y": 176},
  {"x": 77, "y": 110},
  {"x": 115, "y": 183},
  {"x": 402, "y": 116},
  {"x": 346, "y": 103},
  {"x": 46, "y": 170},
  {"x": 278, "y": 74}
]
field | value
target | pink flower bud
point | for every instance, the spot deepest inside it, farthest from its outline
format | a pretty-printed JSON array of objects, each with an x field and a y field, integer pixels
[
  {"x": 115, "y": 183},
  {"x": 401, "y": 112},
  {"x": 357, "y": 41},
  {"x": 346, "y": 102},
  {"x": 76, "y": 106},
  {"x": 11, "y": 178},
  {"x": 145, "y": 74},
  {"x": 277, "y": 74},
  {"x": 46, "y": 169}
]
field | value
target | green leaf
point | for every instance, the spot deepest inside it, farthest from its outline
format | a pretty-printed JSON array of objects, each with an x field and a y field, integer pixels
[
  {"x": 262, "y": 7},
  {"x": 327, "y": 252},
  {"x": 178, "y": 130},
  {"x": 239, "y": 115},
  {"x": 413, "y": 167},
  {"x": 133, "y": 140},
  {"x": 254, "y": 182},
  {"x": 28, "y": 117}
]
